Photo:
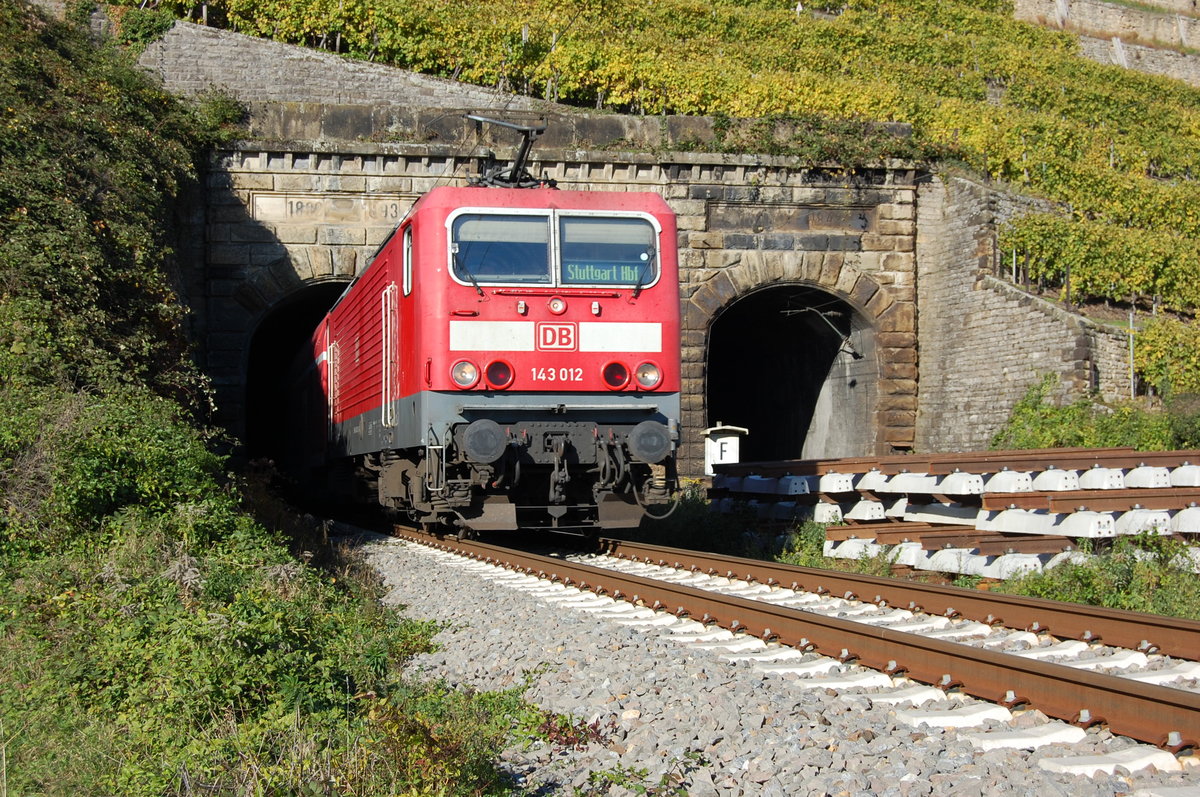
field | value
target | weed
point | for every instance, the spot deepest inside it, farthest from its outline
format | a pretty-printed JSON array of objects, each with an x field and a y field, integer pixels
[
  {"x": 671, "y": 783},
  {"x": 806, "y": 546},
  {"x": 693, "y": 524},
  {"x": 576, "y": 734},
  {"x": 139, "y": 27}
]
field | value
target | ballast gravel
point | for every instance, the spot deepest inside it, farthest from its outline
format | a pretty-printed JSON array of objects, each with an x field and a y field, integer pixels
[{"x": 675, "y": 717}]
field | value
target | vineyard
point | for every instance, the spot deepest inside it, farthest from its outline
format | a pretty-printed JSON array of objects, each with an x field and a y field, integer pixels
[{"x": 1117, "y": 150}]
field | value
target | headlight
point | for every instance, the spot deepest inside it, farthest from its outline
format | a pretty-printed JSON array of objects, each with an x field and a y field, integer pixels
[
  {"x": 499, "y": 374},
  {"x": 647, "y": 376},
  {"x": 557, "y": 305},
  {"x": 465, "y": 373},
  {"x": 616, "y": 375}
]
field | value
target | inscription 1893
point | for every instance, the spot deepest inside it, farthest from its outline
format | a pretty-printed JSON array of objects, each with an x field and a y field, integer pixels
[{"x": 329, "y": 208}]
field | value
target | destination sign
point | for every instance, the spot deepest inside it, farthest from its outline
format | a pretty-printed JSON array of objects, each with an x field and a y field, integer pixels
[{"x": 607, "y": 274}]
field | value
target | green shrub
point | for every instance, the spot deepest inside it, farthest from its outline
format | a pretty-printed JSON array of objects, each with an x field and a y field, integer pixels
[
  {"x": 220, "y": 112},
  {"x": 806, "y": 546},
  {"x": 216, "y": 653},
  {"x": 1146, "y": 573},
  {"x": 94, "y": 153},
  {"x": 693, "y": 524},
  {"x": 141, "y": 26},
  {"x": 1183, "y": 416},
  {"x": 155, "y": 638},
  {"x": 132, "y": 448},
  {"x": 73, "y": 460},
  {"x": 1038, "y": 420}
]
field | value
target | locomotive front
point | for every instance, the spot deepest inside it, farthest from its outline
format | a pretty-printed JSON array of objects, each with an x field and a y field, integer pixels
[{"x": 549, "y": 322}]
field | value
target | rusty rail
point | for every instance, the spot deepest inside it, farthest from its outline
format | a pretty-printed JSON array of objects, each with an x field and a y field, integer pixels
[
  {"x": 978, "y": 461},
  {"x": 1095, "y": 500},
  {"x": 1155, "y": 714},
  {"x": 1169, "y": 635}
]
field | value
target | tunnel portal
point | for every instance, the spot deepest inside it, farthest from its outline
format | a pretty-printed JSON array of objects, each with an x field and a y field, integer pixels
[
  {"x": 796, "y": 366},
  {"x": 275, "y": 343}
]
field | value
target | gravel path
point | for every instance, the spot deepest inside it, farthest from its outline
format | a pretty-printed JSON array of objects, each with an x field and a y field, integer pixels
[{"x": 671, "y": 709}]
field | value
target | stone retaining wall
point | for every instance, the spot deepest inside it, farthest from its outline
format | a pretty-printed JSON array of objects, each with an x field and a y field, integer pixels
[
  {"x": 1141, "y": 39},
  {"x": 1150, "y": 60},
  {"x": 984, "y": 341},
  {"x": 1139, "y": 25}
]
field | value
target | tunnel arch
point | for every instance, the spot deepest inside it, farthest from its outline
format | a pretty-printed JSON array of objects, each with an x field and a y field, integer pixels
[
  {"x": 272, "y": 345},
  {"x": 865, "y": 406},
  {"x": 797, "y": 366}
]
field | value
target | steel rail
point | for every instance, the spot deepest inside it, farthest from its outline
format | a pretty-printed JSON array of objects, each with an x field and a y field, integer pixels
[
  {"x": 985, "y": 461},
  {"x": 1172, "y": 636},
  {"x": 1155, "y": 714},
  {"x": 1096, "y": 500}
]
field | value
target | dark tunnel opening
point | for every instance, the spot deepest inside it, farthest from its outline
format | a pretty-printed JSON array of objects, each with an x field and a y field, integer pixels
[
  {"x": 272, "y": 349},
  {"x": 770, "y": 356}
]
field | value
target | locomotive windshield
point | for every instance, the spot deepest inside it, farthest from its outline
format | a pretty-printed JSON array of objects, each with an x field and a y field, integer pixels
[
  {"x": 501, "y": 248},
  {"x": 509, "y": 248},
  {"x": 606, "y": 251}
]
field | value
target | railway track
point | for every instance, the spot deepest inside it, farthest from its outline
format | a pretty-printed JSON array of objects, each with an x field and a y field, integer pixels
[{"x": 920, "y": 641}]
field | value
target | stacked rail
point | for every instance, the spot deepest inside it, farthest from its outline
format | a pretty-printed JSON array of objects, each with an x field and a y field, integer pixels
[{"x": 991, "y": 514}]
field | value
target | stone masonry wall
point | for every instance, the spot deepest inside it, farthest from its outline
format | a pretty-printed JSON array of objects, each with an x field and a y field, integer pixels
[
  {"x": 1174, "y": 6},
  {"x": 759, "y": 226},
  {"x": 1151, "y": 60},
  {"x": 1142, "y": 39},
  {"x": 984, "y": 341},
  {"x": 284, "y": 215},
  {"x": 194, "y": 58},
  {"x": 294, "y": 93},
  {"x": 1143, "y": 25}
]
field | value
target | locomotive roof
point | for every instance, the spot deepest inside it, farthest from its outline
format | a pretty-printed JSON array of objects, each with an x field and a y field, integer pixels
[{"x": 450, "y": 197}]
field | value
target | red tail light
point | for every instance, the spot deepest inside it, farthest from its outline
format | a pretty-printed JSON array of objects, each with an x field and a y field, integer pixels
[
  {"x": 616, "y": 375},
  {"x": 499, "y": 374}
]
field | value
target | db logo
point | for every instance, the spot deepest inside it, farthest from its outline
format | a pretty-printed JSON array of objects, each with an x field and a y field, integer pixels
[{"x": 556, "y": 337}]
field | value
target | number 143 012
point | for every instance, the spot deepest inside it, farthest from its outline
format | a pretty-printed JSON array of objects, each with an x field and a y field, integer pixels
[{"x": 556, "y": 374}]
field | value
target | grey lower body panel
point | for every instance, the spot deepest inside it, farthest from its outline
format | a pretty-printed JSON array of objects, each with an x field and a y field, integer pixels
[{"x": 427, "y": 418}]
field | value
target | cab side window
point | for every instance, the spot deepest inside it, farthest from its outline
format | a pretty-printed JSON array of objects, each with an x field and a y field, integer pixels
[{"x": 407, "y": 270}]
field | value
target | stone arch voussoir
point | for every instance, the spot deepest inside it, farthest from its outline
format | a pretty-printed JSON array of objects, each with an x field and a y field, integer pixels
[{"x": 825, "y": 270}]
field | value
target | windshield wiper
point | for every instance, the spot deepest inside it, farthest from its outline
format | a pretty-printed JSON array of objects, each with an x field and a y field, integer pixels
[
  {"x": 462, "y": 268},
  {"x": 649, "y": 254}
]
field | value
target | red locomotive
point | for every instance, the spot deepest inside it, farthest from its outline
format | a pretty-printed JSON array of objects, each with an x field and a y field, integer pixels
[{"x": 509, "y": 358}]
